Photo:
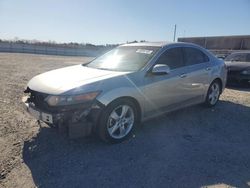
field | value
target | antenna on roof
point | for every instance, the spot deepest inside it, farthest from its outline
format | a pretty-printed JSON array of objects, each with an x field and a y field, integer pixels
[{"x": 174, "y": 31}]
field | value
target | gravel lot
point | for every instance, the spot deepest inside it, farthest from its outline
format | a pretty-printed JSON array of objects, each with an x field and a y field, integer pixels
[{"x": 193, "y": 147}]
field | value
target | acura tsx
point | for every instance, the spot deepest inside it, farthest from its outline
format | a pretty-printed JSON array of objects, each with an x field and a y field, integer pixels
[{"x": 113, "y": 93}]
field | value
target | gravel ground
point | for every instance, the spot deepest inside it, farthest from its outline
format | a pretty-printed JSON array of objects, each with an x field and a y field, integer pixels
[{"x": 193, "y": 147}]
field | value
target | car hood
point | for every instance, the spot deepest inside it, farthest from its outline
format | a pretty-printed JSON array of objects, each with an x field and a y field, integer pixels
[
  {"x": 62, "y": 80},
  {"x": 237, "y": 65}
]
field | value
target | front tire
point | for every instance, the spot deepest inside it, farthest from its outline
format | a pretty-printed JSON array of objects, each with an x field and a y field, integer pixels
[
  {"x": 118, "y": 121},
  {"x": 213, "y": 94}
]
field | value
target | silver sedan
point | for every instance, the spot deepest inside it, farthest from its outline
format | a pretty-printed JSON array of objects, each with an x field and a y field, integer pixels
[{"x": 133, "y": 82}]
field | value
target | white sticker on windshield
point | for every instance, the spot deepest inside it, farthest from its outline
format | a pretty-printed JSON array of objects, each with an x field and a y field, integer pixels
[{"x": 143, "y": 51}]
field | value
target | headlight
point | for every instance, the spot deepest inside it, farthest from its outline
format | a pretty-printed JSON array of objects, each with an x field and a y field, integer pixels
[
  {"x": 71, "y": 99},
  {"x": 245, "y": 72}
]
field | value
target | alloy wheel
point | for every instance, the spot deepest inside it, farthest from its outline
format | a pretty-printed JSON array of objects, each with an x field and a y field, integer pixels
[
  {"x": 214, "y": 93},
  {"x": 120, "y": 121}
]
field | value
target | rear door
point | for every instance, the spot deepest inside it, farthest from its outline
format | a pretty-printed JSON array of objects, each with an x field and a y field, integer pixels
[{"x": 198, "y": 68}]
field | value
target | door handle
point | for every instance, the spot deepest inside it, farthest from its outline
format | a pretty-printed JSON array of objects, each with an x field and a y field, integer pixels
[
  {"x": 183, "y": 75},
  {"x": 208, "y": 68}
]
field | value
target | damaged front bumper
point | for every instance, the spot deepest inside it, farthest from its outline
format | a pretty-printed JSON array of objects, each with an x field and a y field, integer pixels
[
  {"x": 36, "y": 113},
  {"x": 76, "y": 121}
]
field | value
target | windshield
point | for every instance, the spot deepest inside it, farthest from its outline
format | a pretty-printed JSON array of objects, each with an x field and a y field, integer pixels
[{"x": 124, "y": 58}]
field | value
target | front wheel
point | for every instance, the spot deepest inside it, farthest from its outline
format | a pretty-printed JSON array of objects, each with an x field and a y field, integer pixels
[
  {"x": 117, "y": 121},
  {"x": 213, "y": 94}
]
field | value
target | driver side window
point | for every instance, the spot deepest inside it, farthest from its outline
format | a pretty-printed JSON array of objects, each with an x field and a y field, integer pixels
[{"x": 172, "y": 57}]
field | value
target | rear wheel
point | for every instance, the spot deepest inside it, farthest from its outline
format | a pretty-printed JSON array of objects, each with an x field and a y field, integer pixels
[
  {"x": 118, "y": 121},
  {"x": 213, "y": 93}
]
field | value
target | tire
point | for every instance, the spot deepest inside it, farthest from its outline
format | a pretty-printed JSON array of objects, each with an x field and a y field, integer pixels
[
  {"x": 213, "y": 94},
  {"x": 118, "y": 120}
]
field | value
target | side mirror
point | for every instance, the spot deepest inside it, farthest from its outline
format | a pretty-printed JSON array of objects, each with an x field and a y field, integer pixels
[{"x": 160, "y": 69}]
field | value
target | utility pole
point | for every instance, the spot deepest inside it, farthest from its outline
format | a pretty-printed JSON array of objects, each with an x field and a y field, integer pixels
[{"x": 174, "y": 32}]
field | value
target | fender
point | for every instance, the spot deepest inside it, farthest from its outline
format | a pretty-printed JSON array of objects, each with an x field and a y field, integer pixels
[{"x": 116, "y": 93}]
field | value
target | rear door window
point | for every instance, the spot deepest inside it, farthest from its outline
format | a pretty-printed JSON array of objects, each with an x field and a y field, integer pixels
[{"x": 193, "y": 56}]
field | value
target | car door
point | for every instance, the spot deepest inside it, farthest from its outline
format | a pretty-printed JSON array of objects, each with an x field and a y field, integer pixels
[
  {"x": 198, "y": 71},
  {"x": 167, "y": 91}
]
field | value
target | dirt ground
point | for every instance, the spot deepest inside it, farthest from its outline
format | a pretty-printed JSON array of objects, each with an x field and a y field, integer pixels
[{"x": 193, "y": 147}]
